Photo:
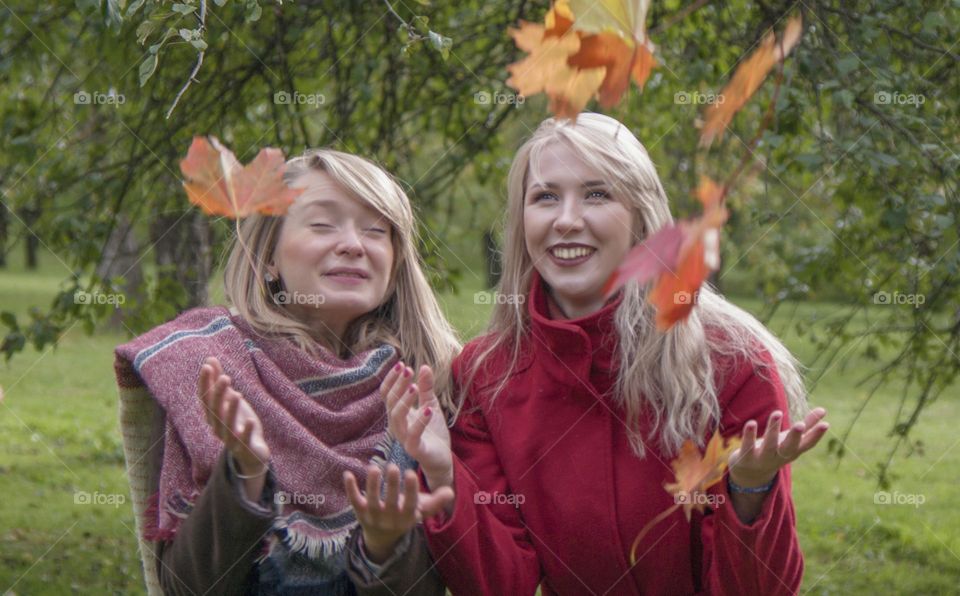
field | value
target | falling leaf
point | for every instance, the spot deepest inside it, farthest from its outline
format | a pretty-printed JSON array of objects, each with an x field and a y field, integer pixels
[
  {"x": 679, "y": 256},
  {"x": 617, "y": 41},
  {"x": 582, "y": 51},
  {"x": 658, "y": 253},
  {"x": 695, "y": 473},
  {"x": 218, "y": 183},
  {"x": 747, "y": 79}
]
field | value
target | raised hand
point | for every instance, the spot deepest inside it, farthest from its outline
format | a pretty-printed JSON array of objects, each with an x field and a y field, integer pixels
[
  {"x": 756, "y": 461},
  {"x": 417, "y": 422},
  {"x": 385, "y": 522},
  {"x": 235, "y": 423}
]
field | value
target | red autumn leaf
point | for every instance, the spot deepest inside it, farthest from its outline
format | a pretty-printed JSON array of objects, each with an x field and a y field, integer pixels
[
  {"x": 695, "y": 473},
  {"x": 747, "y": 79},
  {"x": 656, "y": 254},
  {"x": 218, "y": 183},
  {"x": 621, "y": 61}
]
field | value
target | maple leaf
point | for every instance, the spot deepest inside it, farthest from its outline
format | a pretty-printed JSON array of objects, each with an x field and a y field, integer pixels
[
  {"x": 747, "y": 79},
  {"x": 679, "y": 256},
  {"x": 581, "y": 51},
  {"x": 546, "y": 70},
  {"x": 695, "y": 473},
  {"x": 220, "y": 185},
  {"x": 618, "y": 42}
]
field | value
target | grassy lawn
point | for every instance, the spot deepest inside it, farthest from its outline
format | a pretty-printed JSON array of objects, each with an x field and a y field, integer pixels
[{"x": 59, "y": 435}]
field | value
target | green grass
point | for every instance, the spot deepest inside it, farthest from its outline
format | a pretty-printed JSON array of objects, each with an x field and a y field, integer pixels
[{"x": 59, "y": 434}]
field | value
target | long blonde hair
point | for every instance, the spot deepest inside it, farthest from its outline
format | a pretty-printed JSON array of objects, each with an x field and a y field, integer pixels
[
  {"x": 671, "y": 375},
  {"x": 409, "y": 318}
]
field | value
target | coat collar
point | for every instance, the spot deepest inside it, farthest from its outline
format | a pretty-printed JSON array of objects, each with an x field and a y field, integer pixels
[{"x": 576, "y": 345}]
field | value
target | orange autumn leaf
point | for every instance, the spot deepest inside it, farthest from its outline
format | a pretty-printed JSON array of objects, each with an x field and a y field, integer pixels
[
  {"x": 747, "y": 79},
  {"x": 220, "y": 185},
  {"x": 546, "y": 70},
  {"x": 583, "y": 50},
  {"x": 695, "y": 473}
]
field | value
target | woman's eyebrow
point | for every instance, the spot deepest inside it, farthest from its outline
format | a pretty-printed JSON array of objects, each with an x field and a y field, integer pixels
[{"x": 549, "y": 185}]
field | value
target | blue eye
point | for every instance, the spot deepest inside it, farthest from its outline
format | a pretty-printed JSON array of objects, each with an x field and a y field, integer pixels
[
  {"x": 598, "y": 194},
  {"x": 544, "y": 195}
]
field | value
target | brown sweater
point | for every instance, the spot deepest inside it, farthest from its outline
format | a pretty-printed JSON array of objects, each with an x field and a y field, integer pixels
[{"x": 215, "y": 548}]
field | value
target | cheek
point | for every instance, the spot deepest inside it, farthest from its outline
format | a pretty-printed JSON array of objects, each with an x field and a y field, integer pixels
[{"x": 534, "y": 229}]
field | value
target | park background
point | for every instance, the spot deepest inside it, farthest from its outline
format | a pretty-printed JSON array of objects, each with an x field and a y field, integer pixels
[{"x": 844, "y": 243}]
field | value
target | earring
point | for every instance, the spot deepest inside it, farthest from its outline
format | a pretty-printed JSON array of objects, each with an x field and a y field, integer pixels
[{"x": 274, "y": 285}]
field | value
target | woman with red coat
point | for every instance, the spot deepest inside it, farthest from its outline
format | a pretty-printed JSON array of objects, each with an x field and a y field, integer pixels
[{"x": 575, "y": 405}]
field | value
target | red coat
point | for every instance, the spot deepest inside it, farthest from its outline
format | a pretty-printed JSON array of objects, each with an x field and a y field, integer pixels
[{"x": 548, "y": 489}]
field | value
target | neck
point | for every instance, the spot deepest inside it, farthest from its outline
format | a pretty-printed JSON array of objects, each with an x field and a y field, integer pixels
[{"x": 576, "y": 309}]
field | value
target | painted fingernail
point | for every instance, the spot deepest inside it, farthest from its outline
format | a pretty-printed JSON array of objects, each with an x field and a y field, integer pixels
[
  {"x": 397, "y": 367},
  {"x": 407, "y": 372},
  {"x": 427, "y": 412}
]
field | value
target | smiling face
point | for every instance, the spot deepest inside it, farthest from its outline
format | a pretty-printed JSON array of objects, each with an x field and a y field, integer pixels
[
  {"x": 576, "y": 229},
  {"x": 334, "y": 255}
]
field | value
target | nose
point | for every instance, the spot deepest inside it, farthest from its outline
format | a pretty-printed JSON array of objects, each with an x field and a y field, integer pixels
[
  {"x": 570, "y": 217},
  {"x": 350, "y": 242}
]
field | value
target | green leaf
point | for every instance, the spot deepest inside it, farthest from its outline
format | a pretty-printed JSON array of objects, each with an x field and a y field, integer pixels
[
  {"x": 133, "y": 8},
  {"x": 9, "y": 319},
  {"x": 145, "y": 29},
  {"x": 199, "y": 44},
  {"x": 847, "y": 64},
  {"x": 183, "y": 8},
  {"x": 254, "y": 11},
  {"x": 441, "y": 44},
  {"x": 147, "y": 67}
]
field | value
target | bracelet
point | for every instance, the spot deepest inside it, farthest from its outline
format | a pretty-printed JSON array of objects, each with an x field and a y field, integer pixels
[
  {"x": 736, "y": 488},
  {"x": 251, "y": 476}
]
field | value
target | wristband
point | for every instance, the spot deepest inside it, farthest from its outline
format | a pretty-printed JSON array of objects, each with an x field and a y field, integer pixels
[{"x": 736, "y": 488}]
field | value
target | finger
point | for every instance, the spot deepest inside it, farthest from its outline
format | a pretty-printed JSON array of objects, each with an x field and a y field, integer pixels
[
  {"x": 357, "y": 501},
  {"x": 410, "y": 490},
  {"x": 813, "y": 436},
  {"x": 400, "y": 387},
  {"x": 747, "y": 442},
  {"x": 230, "y": 419},
  {"x": 432, "y": 503},
  {"x": 215, "y": 403},
  {"x": 814, "y": 417},
  {"x": 418, "y": 426},
  {"x": 771, "y": 435},
  {"x": 425, "y": 383},
  {"x": 406, "y": 402},
  {"x": 389, "y": 381},
  {"x": 393, "y": 490},
  {"x": 788, "y": 448},
  {"x": 373, "y": 490}
]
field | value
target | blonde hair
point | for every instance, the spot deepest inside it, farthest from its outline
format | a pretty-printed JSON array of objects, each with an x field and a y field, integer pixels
[
  {"x": 409, "y": 318},
  {"x": 671, "y": 376}
]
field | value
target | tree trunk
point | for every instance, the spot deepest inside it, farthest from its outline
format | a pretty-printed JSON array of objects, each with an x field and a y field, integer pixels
[{"x": 182, "y": 254}]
